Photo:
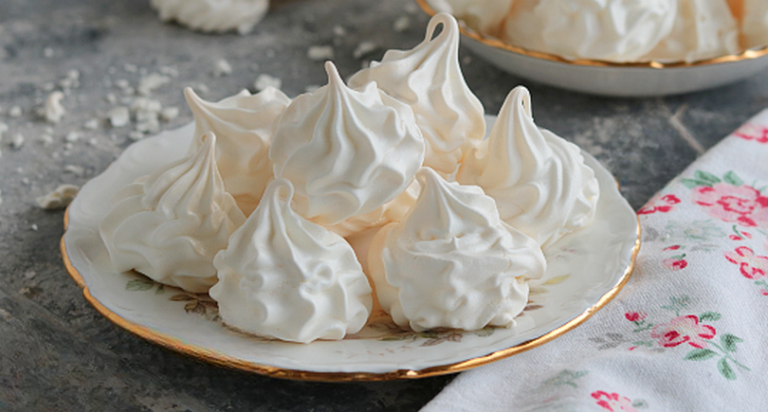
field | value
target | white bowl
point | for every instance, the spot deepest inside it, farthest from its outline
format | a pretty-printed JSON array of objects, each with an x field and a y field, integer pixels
[{"x": 609, "y": 78}]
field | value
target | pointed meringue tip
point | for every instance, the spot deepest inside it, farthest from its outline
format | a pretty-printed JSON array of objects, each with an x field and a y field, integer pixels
[
  {"x": 519, "y": 96},
  {"x": 191, "y": 97},
  {"x": 208, "y": 140},
  {"x": 427, "y": 174},
  {"x": 334, "y": 78},
  {"x": 280, "y": 188},
  {"x": 450, "y": 25}
]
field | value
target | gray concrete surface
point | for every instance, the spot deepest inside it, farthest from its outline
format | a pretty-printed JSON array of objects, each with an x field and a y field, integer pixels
[{"x": 58, "y": 354}]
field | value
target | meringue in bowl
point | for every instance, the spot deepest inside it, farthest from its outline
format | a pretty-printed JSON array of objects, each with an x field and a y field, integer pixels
[{"x": 604, "y": 48}]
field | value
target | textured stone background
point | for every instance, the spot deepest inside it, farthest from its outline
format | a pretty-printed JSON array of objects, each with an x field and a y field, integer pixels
[{"x": 58, "y": 354}]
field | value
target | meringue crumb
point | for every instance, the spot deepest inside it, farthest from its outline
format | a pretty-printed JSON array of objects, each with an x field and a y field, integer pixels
[
  {"x": 48, "y": 52},
  {"x": 402, "y": 24},
  {"x": 92, "y": 124},
  {"x": 119, "y": 116},
  {"x": 111, "y": 98},
  {"x": 223, "y": 68},
  {"x": 72, "y": 137},
  {"x": 169, "y": 113},
  {"x": 311, "y": 88},
  {"x": 60, "y": 198},
  {"x": 14, "y": 111},
  {"x": 339, "y": 31},
  {"x": 151, "y": 82},
  {"x": 364, "y": 48},
  {"x": 170, "y": 71},
  {"x": 33, "y": 227},
  {"x": 320, "y": 53},
  {"x": 130, "y": 68},
  {"x": 53, "y": 111},
  {"x": 17, "y": 141},
  {"x": 411, "y": 8},
  {"x": 265, "y": 80},
  {"x": 46, "y": 139},
  {"x": 75, "y": 170},
  {"x": 135, "y": 135},
  {"x": 466, "y": 60}
]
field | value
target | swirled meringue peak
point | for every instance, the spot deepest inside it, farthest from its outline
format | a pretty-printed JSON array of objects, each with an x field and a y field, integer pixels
[
  {"x": 213, "y": 15},
  {"x": 346, "y": 151},
  {"x": 170, "y": 225},
  {"x": 452, "y": 262},
  {"x": 703, "y": 29},
  {"x": 482, "y": 15},
  {"x": 244, "y": 125},
  {"x": 614, "y": 30},
  {"x": 539, "y": 181},
  {"x": 429, "y": 79},
  {"x": 285, "y": 277},
  {"x": 755, "y": 23}
]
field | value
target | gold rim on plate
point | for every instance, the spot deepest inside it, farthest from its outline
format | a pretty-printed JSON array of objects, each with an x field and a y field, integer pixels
[
  {"x": 220, "y": 359},
  {"x": 749, "y": 54}
]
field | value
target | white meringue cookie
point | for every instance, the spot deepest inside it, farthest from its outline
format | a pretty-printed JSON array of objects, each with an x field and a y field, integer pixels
[
  {"x": 170, "y": 225},
  {"x": 755, "y": 23},
  {"x": 484, "y": 16},
  {"x": 613, "y": 30},
  {"x": 347, "y": 152},
  {"x": 213, "y": 15},
  {"x": 429, "y": 79},
  {"x": 703, "y": 29},
  {"x": 392, "y": 211},
  {"x": 244, "y": 125},
  {"x": 539, "y": 181},
  {"x": 452, "y": 262},
  {"x": 283, "y": 276}
]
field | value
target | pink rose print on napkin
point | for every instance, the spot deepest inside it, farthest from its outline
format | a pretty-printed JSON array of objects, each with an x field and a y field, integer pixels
[
  {"x": 683, "y": 329},
  {"x": 744, "y": 205},
  {"x": 753, "y": 132},
  {"x": 613, "y": 402},
  {"x": 660, "y": 204},
  {"x": 751, "y": 265}
]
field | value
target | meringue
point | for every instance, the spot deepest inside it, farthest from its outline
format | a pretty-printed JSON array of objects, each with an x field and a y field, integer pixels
[
  {"x": 244, "y": 125},
  {"x": 285, "y": 277},
  {"x": 429, "y": 79},
  {"x": 755, "y": 23},
  {"x": 539, "y": 181},
  {"x": 346, "y": 151},
  {"x": 481, "y": 15},
  {"x": 614, "y": 30},
  {"x": 452, "y": 262},
  {"x": 213, "y": 15},
  {"x": 703, "y": 29},
  {"x": 170, "y": 225}
]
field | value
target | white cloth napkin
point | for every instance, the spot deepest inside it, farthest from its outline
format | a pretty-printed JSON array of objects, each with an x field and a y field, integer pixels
[{"x": 689, "y": 332}]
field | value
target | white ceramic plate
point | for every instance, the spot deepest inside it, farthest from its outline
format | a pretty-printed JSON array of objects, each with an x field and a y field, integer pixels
[
  {"x": 586, "y": 269},
  {"x": 614, "y": 79}
]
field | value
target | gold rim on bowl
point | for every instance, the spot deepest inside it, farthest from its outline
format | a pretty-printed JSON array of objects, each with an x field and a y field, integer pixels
[
  {"x": 749, "y": 54},
  {"x": 220, "y": 359}
]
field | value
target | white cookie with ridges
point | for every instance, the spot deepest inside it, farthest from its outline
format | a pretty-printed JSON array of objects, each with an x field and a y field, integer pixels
[
  {"x": 539, "y": 181},
  {"x": 244, "y": 125},
  {"x": 285, "y": 277},
  {"x": 213, "y": 15},
  {"x": 346, "y": 151},
  {"x": 170, "y": 224},
  {"x": 429, "y": 79},
  {"x": 452, "y": 262}
]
